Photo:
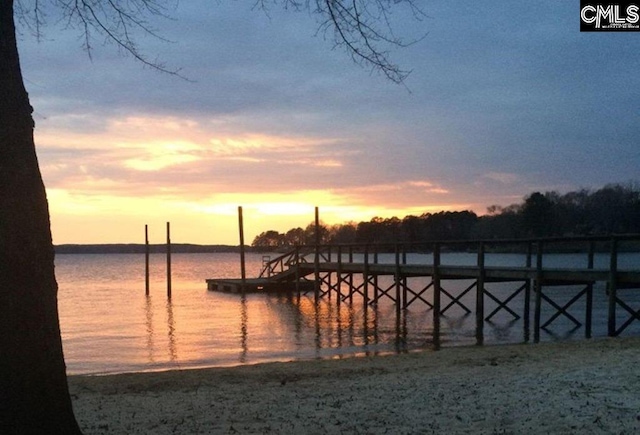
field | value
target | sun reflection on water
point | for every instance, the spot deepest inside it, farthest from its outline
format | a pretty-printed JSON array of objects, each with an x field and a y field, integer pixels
[{"x": 109, "y": 325}]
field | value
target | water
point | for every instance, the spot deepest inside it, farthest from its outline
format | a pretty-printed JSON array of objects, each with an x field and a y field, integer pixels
[{"x": 109, "y": 325}]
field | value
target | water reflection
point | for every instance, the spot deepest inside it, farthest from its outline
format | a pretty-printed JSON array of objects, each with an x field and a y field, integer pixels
[
  {"x": 244, "y": 317},
  {"x": 501, "y": 331},
  {"x": 199, "y": 328},
  {"x": 151, "y": 342},
  {"x": 343, "y": 328},
  {"x": 171, "y": 332},
  {"x": 148, "y": 310},
  {"x": 269, "y": 327}
]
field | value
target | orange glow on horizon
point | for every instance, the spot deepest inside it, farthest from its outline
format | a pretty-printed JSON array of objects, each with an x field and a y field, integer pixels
[{"x": 105, "y": 185}]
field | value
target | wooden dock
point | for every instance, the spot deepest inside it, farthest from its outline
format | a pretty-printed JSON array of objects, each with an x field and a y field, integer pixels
[
  {"x": 332, "y": 271},
  {"x": 258, "y": 285}
]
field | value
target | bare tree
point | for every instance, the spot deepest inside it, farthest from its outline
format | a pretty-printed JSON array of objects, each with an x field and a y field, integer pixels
[{"x": 34, "y": 397}]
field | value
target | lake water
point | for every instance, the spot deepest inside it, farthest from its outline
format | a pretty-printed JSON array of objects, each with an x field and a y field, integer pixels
[{"x": 109, "y": 325}]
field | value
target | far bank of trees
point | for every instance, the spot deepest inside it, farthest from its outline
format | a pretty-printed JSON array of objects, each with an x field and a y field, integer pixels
[{"x": 613, "y": 209}]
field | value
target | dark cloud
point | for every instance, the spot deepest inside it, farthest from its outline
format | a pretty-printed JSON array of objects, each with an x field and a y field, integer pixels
[{"x": 503, "y": 99}]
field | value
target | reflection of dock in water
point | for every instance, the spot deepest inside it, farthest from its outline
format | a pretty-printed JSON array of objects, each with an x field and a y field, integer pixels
[{"x": 345, "y": 271}]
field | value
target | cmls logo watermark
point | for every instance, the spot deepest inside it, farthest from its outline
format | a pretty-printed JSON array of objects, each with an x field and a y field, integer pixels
[{"x": 609, "y": 17}]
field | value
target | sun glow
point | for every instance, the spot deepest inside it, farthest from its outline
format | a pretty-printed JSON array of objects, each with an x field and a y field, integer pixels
[
  {"x": 162, "y": 155},
  {"x": 104, "y": 186}
]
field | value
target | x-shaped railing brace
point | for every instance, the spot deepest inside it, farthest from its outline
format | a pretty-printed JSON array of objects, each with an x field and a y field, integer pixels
[
  {"x": 455, "y": 300},
  {"x": 562, "y": 310},
  {"x": 503, "y": 305},
  {"x": 635, "y": 315}
]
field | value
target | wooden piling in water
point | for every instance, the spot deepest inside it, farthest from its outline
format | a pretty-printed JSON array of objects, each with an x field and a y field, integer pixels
[
  {"x": 365, "y": 276},
  {"x": 589, "y": 303},
  {"x": 436, "y": 296},
  {"x": 480, "y": 295},
  {"x": 168, "y": 260},
  {"x": 538, "y": 292},
  {"x": 243, "y": 270},
  {"x": 613, "y": 271},
  {"x": 527, "y": 296},
  {"x": 398, "y": 281},
  {"x": 316, "y": 261},
  {"x": 339, "y": 276},
  {"x": 146, "y": 260}
]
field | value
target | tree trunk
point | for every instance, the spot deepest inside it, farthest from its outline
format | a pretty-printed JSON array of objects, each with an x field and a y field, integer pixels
[{"x": 34, "y": 396}]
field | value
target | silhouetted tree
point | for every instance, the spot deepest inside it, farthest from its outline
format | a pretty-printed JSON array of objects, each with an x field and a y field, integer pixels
[
  {"x": 448, "y": 225},
  {"x": 500, "y": 223},
  {"x": 343, "y": 233},
  {"x": 310, "y": 234},
  {"x": 34, "y": 395},
  {"x": 269, "y": 240},
  {"x": 537, "y": 215},
  {"x": 295, "y": 236},
  {"x": 413, "y": 229},
  {"x": 614, "y": 209}
]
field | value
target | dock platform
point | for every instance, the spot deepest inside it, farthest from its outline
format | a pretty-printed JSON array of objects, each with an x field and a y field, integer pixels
[
  {"x": 345, "y": 271},
  {"x": 258, "y": 285}
]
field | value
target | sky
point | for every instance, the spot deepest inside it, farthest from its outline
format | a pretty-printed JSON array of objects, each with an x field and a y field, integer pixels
[{"x": 504, "y": 99}]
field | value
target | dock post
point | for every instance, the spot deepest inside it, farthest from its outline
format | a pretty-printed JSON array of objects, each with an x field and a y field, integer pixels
[
  {"x": 316, "y": 261},
  {"x": 527, "y": 296},
  {"x": 168, "y": 260},
  {"x": 352, "y": 289},
  {"x": 537, "y": 288},
  {"x": 339, "y": 276},
  {"x": 589, "y": 307},
  {"x": 365, "y": 275},
  {"x": 404, "y": 279},
  {"x": 613, "y": 271},
  {"x": 436, "y": 295},
  {"x": 146, "y": 260},
  {"x": 328, "y": 276},
  {"x": 297, "y": 263},
  {"x": 376, "y": 292},
  {"x": 398, "y": 282},
  {"x": 480, "y": 295},
  {"x": 243, "y": 271}
]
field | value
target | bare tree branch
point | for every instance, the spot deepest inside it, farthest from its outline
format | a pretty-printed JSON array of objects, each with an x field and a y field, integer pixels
[
  {"x": 362, "y": 27},
  {"x": 116, "y": 21}
]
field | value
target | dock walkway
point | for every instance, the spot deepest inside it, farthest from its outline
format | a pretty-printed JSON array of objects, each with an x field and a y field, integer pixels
[{"x": 333, "y": 271}]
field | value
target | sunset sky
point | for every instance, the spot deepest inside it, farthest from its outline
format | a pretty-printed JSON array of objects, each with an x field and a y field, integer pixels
[{"x": 503, "y": 99}]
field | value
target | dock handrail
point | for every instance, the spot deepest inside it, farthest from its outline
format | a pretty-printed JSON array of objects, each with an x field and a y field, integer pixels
[
  {"x": 283, "y": 262},
  {"x": 331, "y": 268},
  {"x": 306, "y": 253}
]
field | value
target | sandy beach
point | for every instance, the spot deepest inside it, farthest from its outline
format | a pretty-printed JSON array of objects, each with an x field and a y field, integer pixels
[{"x": 589, "y": 386}]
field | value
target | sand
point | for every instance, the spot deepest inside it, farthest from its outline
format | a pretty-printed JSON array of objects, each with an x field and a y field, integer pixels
[{"x": 590, "y": 386}]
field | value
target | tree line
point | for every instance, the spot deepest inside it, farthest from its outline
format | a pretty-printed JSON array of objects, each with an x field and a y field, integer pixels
[{"x": 613, "y": 209}]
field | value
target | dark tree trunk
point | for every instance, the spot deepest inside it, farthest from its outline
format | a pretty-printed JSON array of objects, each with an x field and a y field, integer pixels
[{"x": 34, "y": 397}]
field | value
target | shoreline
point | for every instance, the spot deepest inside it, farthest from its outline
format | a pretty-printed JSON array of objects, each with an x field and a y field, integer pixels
[{"x": 586, "y": 386}]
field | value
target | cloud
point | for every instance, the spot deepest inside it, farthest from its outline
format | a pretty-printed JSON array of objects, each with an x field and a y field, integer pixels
[
  {"x": 493, "y": 112},
  {"x": 502, "y": 177}
]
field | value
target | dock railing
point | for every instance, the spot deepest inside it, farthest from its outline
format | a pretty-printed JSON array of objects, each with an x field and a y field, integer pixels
[
  {"x": 286, "y": 261},
  {"x": 333, "y": 268}
]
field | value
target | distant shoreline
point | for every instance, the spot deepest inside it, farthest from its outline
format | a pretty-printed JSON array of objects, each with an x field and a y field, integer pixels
[
  {"x": 137, "y": 248},
  {"x": 190, "y": 248}
]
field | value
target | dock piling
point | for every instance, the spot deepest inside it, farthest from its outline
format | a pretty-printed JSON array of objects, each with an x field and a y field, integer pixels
[
  {"x": 146, "y": 260},
  {"x": 168, "y": 260},
  {"x": 316, "y": 261},
  {"x": 480, "y": 294},
  {"x": 243, "y": 270},
  {"x": 612, "y": 284}
]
